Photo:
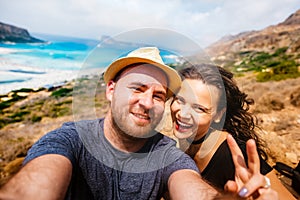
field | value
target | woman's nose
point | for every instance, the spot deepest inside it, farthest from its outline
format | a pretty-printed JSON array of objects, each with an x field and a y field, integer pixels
[{"x": 185, "y": 111}]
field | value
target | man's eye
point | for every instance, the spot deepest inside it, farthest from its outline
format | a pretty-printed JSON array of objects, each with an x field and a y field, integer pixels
[
  {"x": 160, "y": 97},
  {"x": 136, "y": 89}
]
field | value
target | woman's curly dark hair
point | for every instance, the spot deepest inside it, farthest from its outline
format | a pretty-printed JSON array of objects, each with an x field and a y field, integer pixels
[{"x": 237, "y": 120}]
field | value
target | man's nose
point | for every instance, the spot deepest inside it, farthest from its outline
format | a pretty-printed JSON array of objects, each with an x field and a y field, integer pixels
[{"x": 146, "y": 100}]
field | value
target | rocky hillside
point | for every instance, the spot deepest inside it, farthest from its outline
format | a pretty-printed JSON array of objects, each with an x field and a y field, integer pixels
[
  {"x": 237, "y": 51},
  {"x": 9, "y": 33},
  {"x": 273, "y": 37}
]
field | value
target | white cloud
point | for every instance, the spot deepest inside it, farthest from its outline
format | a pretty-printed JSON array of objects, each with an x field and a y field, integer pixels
[{"x": 205, "y": 20}]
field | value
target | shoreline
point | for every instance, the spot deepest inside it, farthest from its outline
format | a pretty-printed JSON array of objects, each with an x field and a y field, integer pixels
[
  {"x": 4, "y": 50},
  {"x": 39, "y": 81},
  {"x": 48, "y": 80},
  {"x": 14, "y": 76}
]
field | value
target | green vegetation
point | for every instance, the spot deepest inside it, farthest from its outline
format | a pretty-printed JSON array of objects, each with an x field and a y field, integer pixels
[
  {"x": 11, "y": 99},
  {"x": 21, "y": 106},
  {"x": 57, "y": 104},
  {"x": 62, "y": 92},
  {"x": 24, "y": 90},
  {"x": 276, "y": 66}
]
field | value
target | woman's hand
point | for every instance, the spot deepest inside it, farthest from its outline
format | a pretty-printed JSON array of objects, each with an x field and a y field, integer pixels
[{"x": 248, "y": 180}]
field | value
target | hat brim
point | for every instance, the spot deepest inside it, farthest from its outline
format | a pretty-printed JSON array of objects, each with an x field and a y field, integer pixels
[{"x": 174, "y": 79}]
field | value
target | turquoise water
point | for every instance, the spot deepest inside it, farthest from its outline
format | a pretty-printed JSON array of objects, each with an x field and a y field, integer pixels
[
  {"x": 62, "y": 53},
  {"x": 58, "y": 59}
]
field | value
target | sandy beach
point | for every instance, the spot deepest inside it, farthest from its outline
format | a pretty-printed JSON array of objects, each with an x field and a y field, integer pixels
[
  {"x": 15, "y": 76},
  {"x": 7, "y": 50}
]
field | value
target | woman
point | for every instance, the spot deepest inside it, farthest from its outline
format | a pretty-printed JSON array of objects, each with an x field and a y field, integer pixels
[{"x": 208, "y": 106}]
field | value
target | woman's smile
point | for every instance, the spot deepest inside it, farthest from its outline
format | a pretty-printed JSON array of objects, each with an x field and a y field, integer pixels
[{"x": 182, "y": 126}]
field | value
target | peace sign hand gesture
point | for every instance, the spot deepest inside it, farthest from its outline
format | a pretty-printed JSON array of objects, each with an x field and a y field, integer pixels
[{"x": 248, "y": 180}]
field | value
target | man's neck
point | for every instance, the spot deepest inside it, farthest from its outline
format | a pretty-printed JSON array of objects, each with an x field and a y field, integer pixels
[{"x": 120, "y": 140}]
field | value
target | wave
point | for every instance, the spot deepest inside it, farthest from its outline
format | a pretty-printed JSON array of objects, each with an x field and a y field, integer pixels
[
  {"x": 14, "y": 81},
  {"x": 26, "y": 72}
]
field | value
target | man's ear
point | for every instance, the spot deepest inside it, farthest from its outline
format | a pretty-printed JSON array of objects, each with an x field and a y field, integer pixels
[
  {"x": 110, "y": 88},
  {"x": 219, "y": 115}
]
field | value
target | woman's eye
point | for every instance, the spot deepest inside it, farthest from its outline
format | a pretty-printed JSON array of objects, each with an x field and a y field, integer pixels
[
  {"x": 200, "y": 109},
  {"x": 179, "y": 100}
]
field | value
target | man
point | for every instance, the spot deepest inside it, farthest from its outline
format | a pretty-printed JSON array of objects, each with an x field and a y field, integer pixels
[{"x": 120, "y": 156}]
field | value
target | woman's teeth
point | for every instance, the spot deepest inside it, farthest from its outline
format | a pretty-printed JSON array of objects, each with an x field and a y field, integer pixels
[{"x": 184, "y": 125}]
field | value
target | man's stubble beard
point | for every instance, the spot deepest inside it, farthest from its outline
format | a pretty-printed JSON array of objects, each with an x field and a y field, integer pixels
[{"x": 121, "y": 120}]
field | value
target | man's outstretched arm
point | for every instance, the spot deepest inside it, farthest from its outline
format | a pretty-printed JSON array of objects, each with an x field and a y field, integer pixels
[
  {"x": 187, "y": 184},
  {"x": 45, "y": 177}
]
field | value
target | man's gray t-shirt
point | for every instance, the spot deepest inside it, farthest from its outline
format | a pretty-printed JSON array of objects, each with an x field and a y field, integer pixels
[{"x": 103, "y": 172}]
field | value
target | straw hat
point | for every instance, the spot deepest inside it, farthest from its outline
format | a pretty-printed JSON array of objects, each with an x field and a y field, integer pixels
[{"x": 148, "y": 55}]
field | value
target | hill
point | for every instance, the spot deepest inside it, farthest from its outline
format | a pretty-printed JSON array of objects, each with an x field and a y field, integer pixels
[
  {"x": 285, "y": 34},
  {"x": 9, "y": 33},
  {"x": 274, "y": 52}
]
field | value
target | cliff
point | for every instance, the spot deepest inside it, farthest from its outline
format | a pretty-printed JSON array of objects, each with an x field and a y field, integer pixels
[
  {"x": 269, "y": 39},
  {"x": 273, "y": 53},
  {"x": 9, "y": 33}
]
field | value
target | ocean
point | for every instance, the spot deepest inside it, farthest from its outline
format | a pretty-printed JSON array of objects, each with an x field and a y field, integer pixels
[{"x": 56, "y": 61}]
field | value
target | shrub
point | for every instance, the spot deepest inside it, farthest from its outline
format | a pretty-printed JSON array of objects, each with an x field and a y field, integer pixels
[
  {"x": 24, "y": 90},
  {"x": 19, "y": 116},
  {"x": 36, "y": 118},
  {"x": 280, "y": 51},
  {"x": 261, "y": 57},
  {"x": 263, "y": 76},
  {"x": 4, "y": 105},
  {"x": 280, "y": 65},
  {"x": 268, "y": 102},
  {"x": 62, "y": 92},
  {"x": 295, "y": 97}
]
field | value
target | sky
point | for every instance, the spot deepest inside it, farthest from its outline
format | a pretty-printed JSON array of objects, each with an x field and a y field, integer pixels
[{"x": 204, "y": 21}]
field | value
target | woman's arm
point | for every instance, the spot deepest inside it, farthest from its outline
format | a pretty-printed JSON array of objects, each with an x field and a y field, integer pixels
[
  {"x": 45, "y": 177},
  {"x": 277, "y": 185}
]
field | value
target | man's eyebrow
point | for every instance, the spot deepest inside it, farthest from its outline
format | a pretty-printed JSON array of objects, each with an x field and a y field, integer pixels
[
  {"x": 161, "y": 92},
  {"x": 137, "y": 83},
  {"x": 140, "y": 84}
]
